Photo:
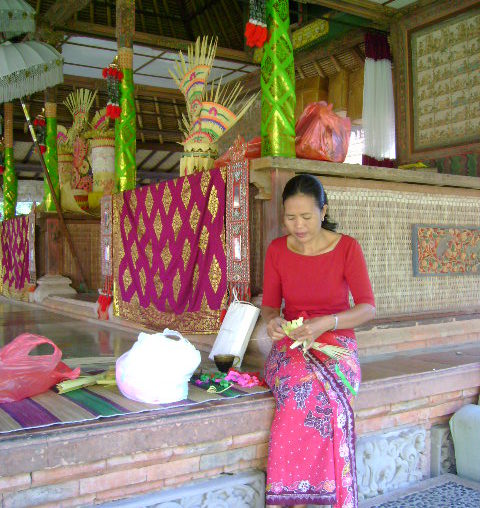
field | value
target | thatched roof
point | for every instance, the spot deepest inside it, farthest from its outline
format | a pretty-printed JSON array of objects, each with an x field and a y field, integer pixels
[{"x": 85, "y": 32}]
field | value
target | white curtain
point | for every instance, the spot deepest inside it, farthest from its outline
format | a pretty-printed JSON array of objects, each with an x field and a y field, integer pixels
[{"x": 378, "y": 109}]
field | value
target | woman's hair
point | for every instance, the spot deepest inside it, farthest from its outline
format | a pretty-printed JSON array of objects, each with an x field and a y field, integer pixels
[{"x": 310, "y": 186}]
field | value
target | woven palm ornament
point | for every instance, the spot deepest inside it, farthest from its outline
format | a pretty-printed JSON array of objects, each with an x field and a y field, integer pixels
[{"x": 211, "y": 110}]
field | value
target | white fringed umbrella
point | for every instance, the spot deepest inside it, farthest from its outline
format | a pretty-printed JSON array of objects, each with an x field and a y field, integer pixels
[
  {"x": 16, "y": 17},
  {"x": 28, "y": 67}
]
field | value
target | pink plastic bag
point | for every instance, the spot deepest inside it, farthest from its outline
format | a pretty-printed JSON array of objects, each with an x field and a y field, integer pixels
[
  {"x": 22, "y": 375},
  {"x": 321, "y": 134}
]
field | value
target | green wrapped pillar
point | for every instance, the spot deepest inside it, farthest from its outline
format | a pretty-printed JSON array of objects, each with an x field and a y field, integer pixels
[
  {"x": 278, "y": 84},
  {"x": 10, "y": 182},
  {"x": 126, "y": 128},
  {"x": 51, "y": 156}
]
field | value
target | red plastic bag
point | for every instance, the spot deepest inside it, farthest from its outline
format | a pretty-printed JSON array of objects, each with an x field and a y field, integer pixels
[
  {"x": 22, "y": 375},
  {"x": 321, "y": 134}
]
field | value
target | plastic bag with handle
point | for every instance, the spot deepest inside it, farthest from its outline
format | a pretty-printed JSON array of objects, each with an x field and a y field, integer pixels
[
  {"x": 23, "y": 375},
  {"x": 157, "y": 368},
  {"x": 321, "y": 134}
]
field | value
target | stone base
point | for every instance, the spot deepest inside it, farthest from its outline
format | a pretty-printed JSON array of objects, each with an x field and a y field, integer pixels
[
  {"x": 241, "y": 490},
  {"x": 52, "y": 285}
]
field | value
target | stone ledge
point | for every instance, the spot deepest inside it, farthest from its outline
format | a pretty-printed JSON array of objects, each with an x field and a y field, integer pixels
[{"x": 357, "y": 171}]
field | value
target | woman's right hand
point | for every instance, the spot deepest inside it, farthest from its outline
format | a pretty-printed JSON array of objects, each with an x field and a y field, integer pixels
[{"x": 274, "y": 328}]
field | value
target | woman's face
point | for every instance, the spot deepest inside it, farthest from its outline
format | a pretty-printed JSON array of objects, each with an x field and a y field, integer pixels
[{"x": 302, "y": 217}]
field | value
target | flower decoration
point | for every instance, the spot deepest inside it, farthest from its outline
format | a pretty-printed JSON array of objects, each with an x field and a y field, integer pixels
[
  {"x": 113, "y": 75},
  {"x": 39, "y": 125},
  {"x": 256, "y": 28}
]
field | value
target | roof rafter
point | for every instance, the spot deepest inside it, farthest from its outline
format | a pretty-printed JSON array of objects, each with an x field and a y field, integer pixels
[
  {"x": 363, "y": 8},
  {"x": 62, "y": 10},
  {"x": 153, "y": 41}
]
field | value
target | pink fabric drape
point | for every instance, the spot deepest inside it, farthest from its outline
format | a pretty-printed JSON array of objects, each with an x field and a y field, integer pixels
[
  {"x": 169, "y": 252},
  {"x": 15, "y": 256}
]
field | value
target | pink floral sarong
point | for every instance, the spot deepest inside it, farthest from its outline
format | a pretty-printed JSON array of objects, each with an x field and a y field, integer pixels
[{"x": 311, "y": 456}]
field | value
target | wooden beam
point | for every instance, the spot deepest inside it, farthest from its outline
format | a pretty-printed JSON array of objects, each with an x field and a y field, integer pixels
[
  {"x": 19, "y": 135},
  {"x": 336, "y": 63},
  {"x": 318, "y": 68},
  {"x": 162, "y": 160},
  {"x": 358, "y": 55},
  {"x": 156, "y": 175},
  {"x": 151, "y": 40},
  {"x": 362, "y": 8},
  {"x": 142, "y": 90},
  {"x": 333, "y": 47},
  {"x": 145, "y": 160},
  {"x": 62, "y": 10}
]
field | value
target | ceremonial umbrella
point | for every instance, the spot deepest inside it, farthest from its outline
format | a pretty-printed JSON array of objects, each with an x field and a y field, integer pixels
[
  {"x": 16, "y": 17},
  {"x": 26, "y": 68}
]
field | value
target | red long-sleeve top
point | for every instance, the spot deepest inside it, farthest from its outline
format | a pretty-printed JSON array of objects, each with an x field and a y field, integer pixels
[{"x": 316, "y": 285}]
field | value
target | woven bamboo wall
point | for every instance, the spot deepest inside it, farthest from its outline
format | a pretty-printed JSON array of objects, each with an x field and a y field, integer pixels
[{"x": 381, "y": 220}]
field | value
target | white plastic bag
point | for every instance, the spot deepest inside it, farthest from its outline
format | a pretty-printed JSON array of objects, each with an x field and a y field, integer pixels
[
  {"x": 236, "y": 329},
  {"x": 157, "y": 368}
]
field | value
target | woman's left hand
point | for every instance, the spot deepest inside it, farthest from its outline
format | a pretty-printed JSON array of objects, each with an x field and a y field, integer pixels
[{"x": 310, "y": 331}]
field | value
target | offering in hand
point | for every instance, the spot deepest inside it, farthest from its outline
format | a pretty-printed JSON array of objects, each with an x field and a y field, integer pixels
[
  {"x": 335, "y": 352},
  {"x": 289, "y": 326}
]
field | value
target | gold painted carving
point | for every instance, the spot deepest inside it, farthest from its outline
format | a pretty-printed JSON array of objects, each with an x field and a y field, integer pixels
[
  {"x": 166, "y": 255},
  {"x": 141, "y": 227},
  {"x": 143, "y": 279},
  {"x": 149, "y": 253},
  {"x": 133, "y": 201},
  {"x": 134, "y": 253},
  {"x": 149, "y": 201},
  {"x": 203, "y": 242},
  {"x": 127, "y": 279},
  {"x": 186, "y": 253},
  {"x": 127, "y": 226},
  {"x": 204, "y": 182},
  {"x": 176, "y": 284},
  {"x": 186, "y": 193},
  {"x": 158, "y": 284},
  {"x": 194, "y": 218},
  {"x": 177, "y": 223},
  {"x": 157, "y": 225},
  {"x": 213, "y": 203},
  {"x": 215, "y": 274},
  {"x": 196, "y": 273},
  {"x": 167, "y": 199}
]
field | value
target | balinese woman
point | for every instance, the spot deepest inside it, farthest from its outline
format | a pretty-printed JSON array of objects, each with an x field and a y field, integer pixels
[{"x": 311, "y": 456}]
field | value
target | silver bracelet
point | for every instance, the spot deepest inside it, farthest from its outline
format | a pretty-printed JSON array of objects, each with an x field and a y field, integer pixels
[{"x": 336, "y": 322}]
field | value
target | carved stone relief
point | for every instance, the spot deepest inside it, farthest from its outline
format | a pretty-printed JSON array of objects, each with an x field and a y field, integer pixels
[
  {"x": 242, "y": 490},
  {"x": 388, "y": 461},
  {"x": 442, "y": 452}
]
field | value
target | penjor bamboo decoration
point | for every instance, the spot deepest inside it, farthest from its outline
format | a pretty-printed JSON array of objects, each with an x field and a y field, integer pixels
[{"x": 211, "y": 111}]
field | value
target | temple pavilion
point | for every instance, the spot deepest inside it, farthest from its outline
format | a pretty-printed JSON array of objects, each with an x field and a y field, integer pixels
[{"x": 144, "y": 148}]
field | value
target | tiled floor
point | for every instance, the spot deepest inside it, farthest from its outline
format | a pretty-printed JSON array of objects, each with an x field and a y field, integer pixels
[
  {"x": 79, "y": 338},
  {"x": 76, "y": 338}
]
